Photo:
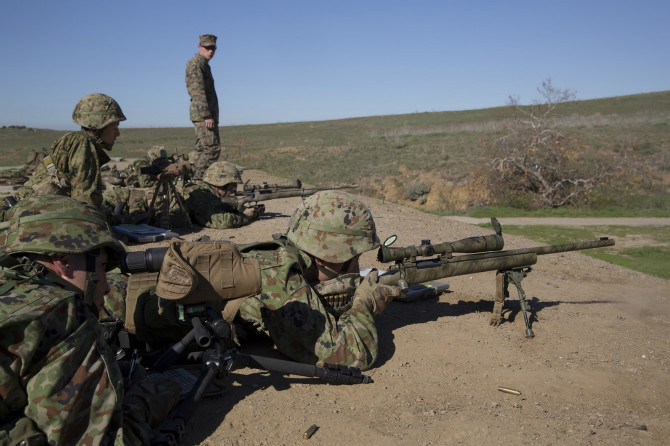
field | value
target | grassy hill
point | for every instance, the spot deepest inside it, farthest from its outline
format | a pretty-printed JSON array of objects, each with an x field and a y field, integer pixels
[{"x": 393, "y": 155}]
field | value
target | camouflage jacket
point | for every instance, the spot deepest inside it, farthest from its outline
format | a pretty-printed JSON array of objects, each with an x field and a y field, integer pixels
[
  {"x": 206, "y": 209},
  {"x": 56, "y": 373},
  {"x": 78, "y": 156},
  {"x": 200, "y": 86},
  {"x": 298, "y": 319},
  {"x": 288, "y": 309},
  {"x": 133, "y": 177}
]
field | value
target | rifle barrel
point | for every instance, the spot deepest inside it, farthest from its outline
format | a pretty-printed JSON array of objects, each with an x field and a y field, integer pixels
[
  {"x": 420, "y": 271},
  {"x": 575, "y": 246}
]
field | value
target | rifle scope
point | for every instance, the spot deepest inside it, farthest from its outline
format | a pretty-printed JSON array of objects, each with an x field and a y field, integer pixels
[
  {"x": 483, "y": 243},
  {"x": 296, "y": 184},
  {"x": 147, "y": 261}
]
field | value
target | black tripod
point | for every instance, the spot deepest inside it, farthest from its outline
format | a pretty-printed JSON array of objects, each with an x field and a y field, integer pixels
[{"x": 170, "y": 198}]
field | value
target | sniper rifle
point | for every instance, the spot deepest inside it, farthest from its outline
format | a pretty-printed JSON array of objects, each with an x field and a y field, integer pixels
[
  {"x": 481, "y": 253},
  {"x": 256, "y": 193}
]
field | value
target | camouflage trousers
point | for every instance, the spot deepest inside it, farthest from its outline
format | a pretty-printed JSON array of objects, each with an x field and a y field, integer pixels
[
  {"x": 301, "y": 327},
  {"x": 207, "y": 148}
]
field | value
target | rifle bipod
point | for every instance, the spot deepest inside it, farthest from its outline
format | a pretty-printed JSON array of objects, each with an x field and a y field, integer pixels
[
  {"x": 503, "y": 278},
  {"x": 219, "y": 360},
  {"x": 166, "y": 191}
]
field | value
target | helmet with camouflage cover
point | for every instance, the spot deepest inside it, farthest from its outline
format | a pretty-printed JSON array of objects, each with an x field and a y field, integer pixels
[
  {"x": 333, "y": 225},
  {"x": 221, "y": 173},
  {"x": 56, "y": 225},
  {"x": 96, "y": 111},
  {"x": 156, "y": 152}
]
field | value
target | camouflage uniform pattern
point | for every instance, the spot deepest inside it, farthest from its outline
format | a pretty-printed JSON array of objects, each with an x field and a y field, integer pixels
[
  {"x": 79, "y": 156},
  {"x": 204, "y": 105},
  {"x": 97, "y": 111},
  {"x": 289, "y": 308},
  {"x": 133, "y": 177},
  {"x": 115, "y": 299},
  {"x": 333, "y": 225},
  {"x": 56, "y": 225},
  {"x": 293, "y": 315},
  {"x": 57, "y": 374},
  {"x": 221, "y": 173},
  {"x": 206, "y": 209}
]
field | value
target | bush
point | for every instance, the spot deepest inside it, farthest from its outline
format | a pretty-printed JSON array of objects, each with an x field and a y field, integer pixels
[{"x": 415, "y": 190}]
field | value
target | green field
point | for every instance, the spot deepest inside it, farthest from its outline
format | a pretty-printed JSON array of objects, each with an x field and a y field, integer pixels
[
  {"x": 389, "y": 155},
  {"x": 392, "y": 156}
]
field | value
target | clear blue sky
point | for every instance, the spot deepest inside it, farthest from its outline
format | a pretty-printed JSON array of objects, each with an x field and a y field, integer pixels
[{"x": 309, "y": 60}]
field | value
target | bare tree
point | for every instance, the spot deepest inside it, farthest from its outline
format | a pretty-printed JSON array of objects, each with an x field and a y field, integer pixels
[{"x": 535, "y": 159}]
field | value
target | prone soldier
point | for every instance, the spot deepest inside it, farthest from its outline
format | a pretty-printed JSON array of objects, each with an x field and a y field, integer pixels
[
  {"x": 59, "y": 380},
  {"x": 203, "y": 199},
  {"x": 302, "y": 289}
]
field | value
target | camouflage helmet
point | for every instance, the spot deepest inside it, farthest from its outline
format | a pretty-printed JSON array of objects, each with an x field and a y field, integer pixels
[
  {"x": 97, "y": 111},
  {"x": 56, "y": 225},
  {"x": 333, "y": 225},
  {"x": 156, "y": 152},
  {"x": 221, "y": 173}
]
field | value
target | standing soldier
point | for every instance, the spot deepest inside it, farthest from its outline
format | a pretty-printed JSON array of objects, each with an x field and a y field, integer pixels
[
  {"x": 204, "y": 109},
  {"x": 203, "y": 199},
  {"x": 72, "y": 167},
  {"x": 59, "y": 380}
]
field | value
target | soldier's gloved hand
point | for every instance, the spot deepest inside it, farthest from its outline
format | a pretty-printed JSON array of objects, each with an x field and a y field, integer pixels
[
  {"x": 259, "y": 210},
  {"x": 253, "y": 212},
  {"x": 152, "y": 399},
  {"x": 375, "y": 294}
]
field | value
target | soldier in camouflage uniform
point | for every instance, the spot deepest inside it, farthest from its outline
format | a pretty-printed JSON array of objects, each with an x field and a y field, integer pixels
[
  {"x": 73, "y": 168},
  {"x": 59, "y": 380},
  {"x": 312, "y": 303},
  {"x": 203, "y": 201},
  {"x": 204, "y": 108},
  {"x": 133, "y": 176}
]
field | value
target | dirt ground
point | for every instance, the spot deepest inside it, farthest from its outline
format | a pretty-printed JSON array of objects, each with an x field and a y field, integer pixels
[{"x": 596, "y": 371}]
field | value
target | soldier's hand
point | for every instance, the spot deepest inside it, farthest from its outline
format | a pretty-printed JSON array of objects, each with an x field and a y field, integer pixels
[
  {"x": 253, "y": 212},
  {"x": 375, "y": 294},
  {"x": 152, "y": 398},
  {"x": 259, "y": 210}
]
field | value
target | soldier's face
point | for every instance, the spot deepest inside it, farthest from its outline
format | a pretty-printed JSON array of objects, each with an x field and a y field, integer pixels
[
  {"x": 351, "y": 266},
  {"x": 207, "y": 51},
  {"x": 229, "y": 189},
  {"x": 110, "y": 133}
]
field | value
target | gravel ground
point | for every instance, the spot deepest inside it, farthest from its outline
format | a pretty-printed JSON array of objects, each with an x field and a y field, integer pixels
[{"x": 596, "y": 371}]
